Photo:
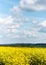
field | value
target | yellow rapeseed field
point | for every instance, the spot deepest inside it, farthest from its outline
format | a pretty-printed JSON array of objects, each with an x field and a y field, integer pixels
[{"x": 22, "y": 56}]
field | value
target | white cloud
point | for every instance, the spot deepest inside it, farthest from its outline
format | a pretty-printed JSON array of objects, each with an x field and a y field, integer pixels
[
  {"x": 27, "y": 32},
  {"x": 14, "y": 30},
  {"x": 7, "y": 20},
  {"x": 9, "y": 25},
  {"x": 1, "y": 36},
  {"x": 37, "y": 5},
  {"x": 30, "y": 33},
  {"x": 18, "y": 25},
  {"x": 27, "y": 19},
  {"x": 34, "y": 33},
  {"x": 13, "y": 36},
  {"x": 43, "y": 23},
  {"x": 42, "y": 26},
  {"x": 27, "y": 2},
  {"x": 15, "y": 9}
]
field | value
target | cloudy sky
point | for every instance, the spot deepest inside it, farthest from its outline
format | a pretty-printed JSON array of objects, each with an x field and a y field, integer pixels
[{"x": 22, "y": 21}]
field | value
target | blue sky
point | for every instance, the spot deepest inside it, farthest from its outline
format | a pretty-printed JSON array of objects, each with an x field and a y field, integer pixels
[{"x": 22, "y": 21}]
